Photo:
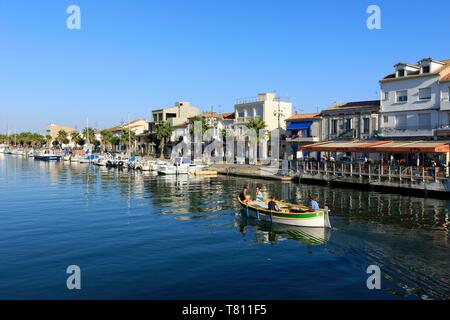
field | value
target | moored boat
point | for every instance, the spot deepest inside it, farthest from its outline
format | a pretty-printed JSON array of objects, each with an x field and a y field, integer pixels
[
  {"x": 47, "y": 156},
  {"x": 290, "y": 214}
]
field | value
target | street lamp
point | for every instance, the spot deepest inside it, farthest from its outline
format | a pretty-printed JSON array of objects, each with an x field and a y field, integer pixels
[{"x": 279, "y": 113}]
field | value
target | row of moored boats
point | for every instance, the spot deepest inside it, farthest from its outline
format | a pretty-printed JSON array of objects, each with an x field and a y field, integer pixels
[{"x": 179, "y": 165}]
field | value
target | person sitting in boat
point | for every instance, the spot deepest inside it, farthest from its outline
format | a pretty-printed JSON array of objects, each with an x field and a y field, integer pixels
[
  {"x": 272, "y": 205},
  {"x": 244, "y": 196},
  {"x": 314, "y": 205},
  {"x": 258, "y": 194}
]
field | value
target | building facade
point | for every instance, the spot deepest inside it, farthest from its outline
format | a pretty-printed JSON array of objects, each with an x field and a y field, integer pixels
[
  {"x": 302, "y": 129},
  {"x": 414, "y": 100},
  {"x": 54, "y": 129},
  {"x": 272, "y": 109},
  {"x": 350, "y": 121}
]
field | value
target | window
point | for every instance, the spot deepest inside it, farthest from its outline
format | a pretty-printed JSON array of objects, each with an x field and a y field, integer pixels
[
  {"x": 424, "y": 121},
  {"x": 400, "y": 122},
  {"x": 386, "y": 95},
  {"x": 366, "y": 125},
  {"x": 385, "y": 119},
  {"x": 241, "y": 113},
  {"x": 426, "y": 69},
  {"x": 401, "y": 73},
  {"x": 425, "y": 94},
  {"x": 171, "y": 115},
  {"x": 402, "y": 96},
  {"x": 347, "y": 124},
  {"x": 334, "y": 126},
  {"x": 259, "y": 112}
]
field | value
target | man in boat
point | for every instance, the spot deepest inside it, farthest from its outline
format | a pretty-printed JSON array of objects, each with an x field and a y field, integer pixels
[
  {"x": 272, "y": 205},
  {"x": 314, "y": 205},
  {"x": 243, "y": 196}
]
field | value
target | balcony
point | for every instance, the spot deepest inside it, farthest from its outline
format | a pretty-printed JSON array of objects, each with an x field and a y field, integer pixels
[
  {"x": 408, "y": 132},
  {"x": 294, "y": 139},
  {"x": 443, "y": 132}
]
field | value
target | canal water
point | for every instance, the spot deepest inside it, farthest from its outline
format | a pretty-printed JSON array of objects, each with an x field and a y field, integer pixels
[{"x": 140, "y": 236}]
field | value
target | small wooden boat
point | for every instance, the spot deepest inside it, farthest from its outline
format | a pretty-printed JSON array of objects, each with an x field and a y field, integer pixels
[{"x": 290, "y": 214}]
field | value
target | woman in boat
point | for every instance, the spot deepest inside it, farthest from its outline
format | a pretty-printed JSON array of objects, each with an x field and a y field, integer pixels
[
  {"x": 258, "y": 194},
  {"x": 244, "y": 196},
  {"x": 314, "y": 205}
]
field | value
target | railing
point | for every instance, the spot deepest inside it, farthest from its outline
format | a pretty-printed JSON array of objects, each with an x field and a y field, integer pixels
[
  {"x": 302, "y": 139},
  {"x": 406, "y": 132},
  {"x": 417, "y": 177},
  {"x": 259, "y": 99}
]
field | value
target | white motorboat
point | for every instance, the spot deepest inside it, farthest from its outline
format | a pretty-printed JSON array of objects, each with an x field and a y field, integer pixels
[{"x": 181, "y": 165}]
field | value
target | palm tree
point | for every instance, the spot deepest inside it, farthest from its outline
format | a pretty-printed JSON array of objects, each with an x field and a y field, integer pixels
[
  {"x": 163, "y": 131},
  {"x": 76, "y": 138},
  {"x": 256, "y": 124},
  {"x": 62, "y": 137},
  {"x": 89, "y": 134},
  {"x": 106, "y": 138},
  {"x": 192, "y": 122},
  {"x": 127, "y": 137},
  {"x": 48, "y": 138}
]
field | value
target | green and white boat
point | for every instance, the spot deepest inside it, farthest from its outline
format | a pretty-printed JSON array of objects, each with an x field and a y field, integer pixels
[{"x": 289, "y": 213}]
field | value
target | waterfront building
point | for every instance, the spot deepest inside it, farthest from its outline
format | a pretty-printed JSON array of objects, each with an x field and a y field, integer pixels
[
  {"x": 414, "y": 100},
  {"x": 270, "y": 108},
  {"x": 350, "y": 121},
  {"x": 273, "y": 110},
  {"x": 217, "y": 122},
  {"x": 178, "y": 116},
  {"x": 302, "y": 129},
  {"x": 138, "y": 127},
  {"x": 54, "y": 129}
]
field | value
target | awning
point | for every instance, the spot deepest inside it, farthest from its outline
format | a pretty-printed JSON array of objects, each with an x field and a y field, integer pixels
[
  {"x": 299, "y": 125},
  {"x": 381, "y": 146}
]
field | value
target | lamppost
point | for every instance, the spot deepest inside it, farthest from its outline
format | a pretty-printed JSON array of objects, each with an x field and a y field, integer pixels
[{"x": 279, "y": 113}]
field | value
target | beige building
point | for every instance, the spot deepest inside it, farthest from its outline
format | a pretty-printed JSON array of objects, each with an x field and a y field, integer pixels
[
  {"x": 272, "y": 109},
  {"x": 54, "y": 129},
  {"x": 175, "y": 115},
  {"x": 178, "y": 116}
]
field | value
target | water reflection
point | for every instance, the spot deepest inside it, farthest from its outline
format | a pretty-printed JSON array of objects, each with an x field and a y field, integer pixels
[
  {"x": 271, "y": 232},
  {"x": 408, "y": 237}
]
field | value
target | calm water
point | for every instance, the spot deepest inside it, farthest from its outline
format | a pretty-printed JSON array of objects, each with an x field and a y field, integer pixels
[{"x": 139, "y": 236}]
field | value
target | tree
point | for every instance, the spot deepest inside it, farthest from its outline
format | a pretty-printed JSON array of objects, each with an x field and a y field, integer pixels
[
  {"x": 127, "y": 137},
  {"x": 163, "y": 131},
  {"x": 77, "y": 138},
  {"x": 89, "y": 134},
  {"x": 106, "y": 137},
  {"x": 256, "y": 124},
  {"x": 55, "y": 143},
  {"x": 201, "y": 119},
  {"x": 49, "y": 139},
  {"x": 115, "y": 141},
  {"x": 62, "y": 137}
]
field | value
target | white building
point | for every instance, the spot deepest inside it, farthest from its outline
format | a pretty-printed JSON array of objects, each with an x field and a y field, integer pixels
[
  {"x": 267, "y": 106},
  {"x": 414, "y": 100}
]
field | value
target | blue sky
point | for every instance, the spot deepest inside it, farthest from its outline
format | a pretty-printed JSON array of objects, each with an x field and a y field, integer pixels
[{"x": 134, "y": 56}]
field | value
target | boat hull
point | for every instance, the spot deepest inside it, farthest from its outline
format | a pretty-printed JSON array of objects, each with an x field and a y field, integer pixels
[
  {"x": 316, "y": 219},
  {"x": 47, "y": 158}
]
